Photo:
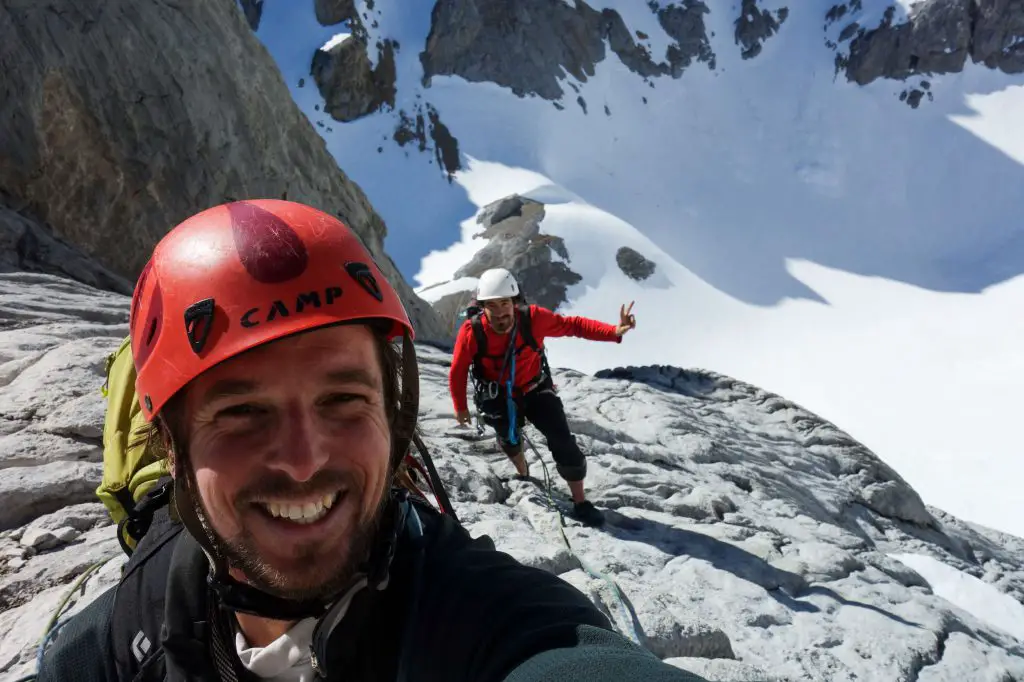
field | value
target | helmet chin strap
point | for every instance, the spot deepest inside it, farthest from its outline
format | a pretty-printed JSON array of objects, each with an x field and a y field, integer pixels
[{"x": 240, "y": 597}]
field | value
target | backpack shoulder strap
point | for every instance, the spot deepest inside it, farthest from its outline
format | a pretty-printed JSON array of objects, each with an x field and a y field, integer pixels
[
  {"x": 477, "y": 325},
  {"x": 118, "y": 634},
  {"x": 138, "y": 612},
  {"x": 526, "y": 327}
]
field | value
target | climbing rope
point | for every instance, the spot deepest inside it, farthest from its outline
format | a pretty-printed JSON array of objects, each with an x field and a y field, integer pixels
[
  {"x": 52, "y": 625},
  {"x": 630, "y": 617},
  {"x": 511, "y": 401}
]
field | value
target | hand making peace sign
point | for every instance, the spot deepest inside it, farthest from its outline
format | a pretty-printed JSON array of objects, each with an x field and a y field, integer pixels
[{"x": 627, "y": 321}]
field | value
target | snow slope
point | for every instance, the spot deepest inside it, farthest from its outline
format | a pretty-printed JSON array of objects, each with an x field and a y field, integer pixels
[
  {"x": 969, "y": 593},
  {"x": 820, "y": 239},
  {"x": 750, "y": 539},
  {"x": 926, "y": 379}
]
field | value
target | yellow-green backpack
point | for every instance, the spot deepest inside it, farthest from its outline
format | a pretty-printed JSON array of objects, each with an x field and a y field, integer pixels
[{"x": 133, "y": 464}]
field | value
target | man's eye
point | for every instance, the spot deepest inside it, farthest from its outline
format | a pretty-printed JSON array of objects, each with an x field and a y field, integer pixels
[
  {"x": 243, "y": 410},
  {"x": 341, "y": 398}
]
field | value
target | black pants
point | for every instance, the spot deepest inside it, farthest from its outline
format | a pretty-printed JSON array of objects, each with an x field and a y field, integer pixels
[{"x": 544, "y": 409}]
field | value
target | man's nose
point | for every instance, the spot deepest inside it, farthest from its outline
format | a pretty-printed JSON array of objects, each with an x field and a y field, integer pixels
[{"x": 302, "y": 451}]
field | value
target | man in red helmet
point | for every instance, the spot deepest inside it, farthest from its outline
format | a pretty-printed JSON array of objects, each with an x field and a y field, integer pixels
[
  {"x": 262, "y": 336},
  {"x": 503, "y": 344}
]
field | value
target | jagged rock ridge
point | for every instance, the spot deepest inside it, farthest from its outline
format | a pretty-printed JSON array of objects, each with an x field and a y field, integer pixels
[
  {"x": 331, "y": 12},
  {"x": 937, "y": 37},
  {"x": 528, "y": 46},
  {"x": 524, "y": 44},
  {"x": 353, "y": 88}
]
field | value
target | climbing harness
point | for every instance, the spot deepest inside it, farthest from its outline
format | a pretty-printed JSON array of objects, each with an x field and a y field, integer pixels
[
  {"x": 630, "y": 618},
  {"x": 53, "y": 626},
  {"x": 486, "y": 389},
  {"x": 492, "y": 387}
]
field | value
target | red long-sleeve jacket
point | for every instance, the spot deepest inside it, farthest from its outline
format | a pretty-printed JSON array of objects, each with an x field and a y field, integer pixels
[{"x": 544, "y": 323}]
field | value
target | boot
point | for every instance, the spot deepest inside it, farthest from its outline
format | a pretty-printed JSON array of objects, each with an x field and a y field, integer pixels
[{"x": 588, "y": 514}]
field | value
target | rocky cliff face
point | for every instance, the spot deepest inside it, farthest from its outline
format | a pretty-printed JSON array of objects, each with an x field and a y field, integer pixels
[
  {"x": 938, "y": 36},
  {"x": 123, "y": 118},
  {"x": 750, "y": 539},
  {"x": 525, "y": 44},
  {"x": 528, "y": 46}
]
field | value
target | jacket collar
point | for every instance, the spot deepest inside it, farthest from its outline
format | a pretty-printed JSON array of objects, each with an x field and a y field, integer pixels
[{"x": 193, "y": 620}]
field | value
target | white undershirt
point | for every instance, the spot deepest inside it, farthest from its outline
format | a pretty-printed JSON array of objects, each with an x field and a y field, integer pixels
[{"x": 287, "y": 658}]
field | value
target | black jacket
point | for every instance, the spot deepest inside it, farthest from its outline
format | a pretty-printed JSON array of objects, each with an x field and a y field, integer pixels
[{"x": 462, "y": 612}]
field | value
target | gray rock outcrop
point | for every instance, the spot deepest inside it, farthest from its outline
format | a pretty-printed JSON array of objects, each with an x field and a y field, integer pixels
[
  {"x": 938, "y": 37},
  {"x": 633, "y": 264},
  {"x": 26, "y": 245},
  {"x": 331, "y": 12},
  {"x": 351, "y": 85},
  {"x": 123, "y": 118},
  {"x": 511, "y": 226},
  {"x": 525, "y": 44},
  {"x": 425, "y": 128},
  {"x": 755, "y": 25}
]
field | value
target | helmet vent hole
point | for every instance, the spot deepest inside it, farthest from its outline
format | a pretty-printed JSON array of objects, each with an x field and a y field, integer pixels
[{"x": 151, "y": 332}]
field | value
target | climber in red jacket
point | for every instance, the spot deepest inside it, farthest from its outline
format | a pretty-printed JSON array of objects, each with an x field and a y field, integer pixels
[{"x": 504, "y": 345}]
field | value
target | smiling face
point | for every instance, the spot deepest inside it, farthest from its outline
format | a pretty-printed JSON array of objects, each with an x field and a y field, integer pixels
[
  {"x": 289, "y": 444},
  {"x": 500, "y": 313}
]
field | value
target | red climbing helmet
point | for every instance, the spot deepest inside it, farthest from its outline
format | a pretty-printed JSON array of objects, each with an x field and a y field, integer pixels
[{"x": 242, "y": 274}]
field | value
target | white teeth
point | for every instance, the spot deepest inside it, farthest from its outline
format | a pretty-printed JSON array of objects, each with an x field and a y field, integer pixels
[{"x": 307, "y": 512}]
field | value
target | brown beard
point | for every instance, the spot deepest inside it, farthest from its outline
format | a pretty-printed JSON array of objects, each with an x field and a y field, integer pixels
[
  {"x": 502, "y": 325},
  {"x": 334, "y": 576}
]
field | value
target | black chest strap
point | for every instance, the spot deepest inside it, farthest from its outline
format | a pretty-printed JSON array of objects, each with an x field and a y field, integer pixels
[{"x": 523, "y": 329}]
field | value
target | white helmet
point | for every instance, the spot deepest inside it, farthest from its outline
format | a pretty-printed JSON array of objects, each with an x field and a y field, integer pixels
[{"x": 496, "y": 283}]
